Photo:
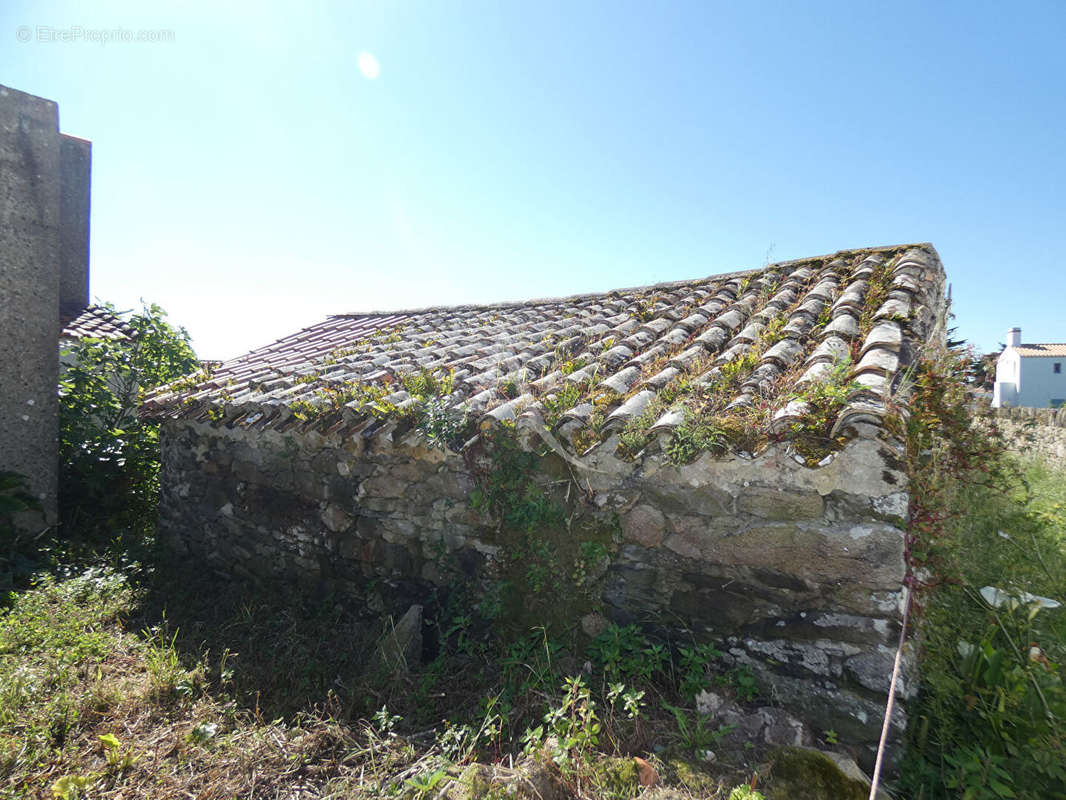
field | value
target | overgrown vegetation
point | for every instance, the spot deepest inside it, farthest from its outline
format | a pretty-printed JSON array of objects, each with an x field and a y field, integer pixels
[
  {"x": 551, "y": 559},
  {"x": 427, "y": 406},
  {"x": 159, "y": 683},
  {"x": 708, "y": 423},
  {"x": 823, "y": 400},
  {"x": 109, "y": 459},
  {"x": 988, "y": 538},
  {"x": 125, "y": 679}
]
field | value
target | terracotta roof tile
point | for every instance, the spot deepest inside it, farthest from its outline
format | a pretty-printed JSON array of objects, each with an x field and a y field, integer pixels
[
  {"x": 750, "y": 341},
  {"x": 93, "y": 322},
  {"x": 1042, "y": 350}
]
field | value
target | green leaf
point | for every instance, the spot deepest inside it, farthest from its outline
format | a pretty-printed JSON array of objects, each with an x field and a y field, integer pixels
[
  {"x": 69, "y": 786},
  {"x": 1001, "y": 789},
  {"x": 110, "y": 741}
]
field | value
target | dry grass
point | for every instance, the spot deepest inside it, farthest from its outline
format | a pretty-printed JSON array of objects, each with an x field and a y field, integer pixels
[{"x": 103, "y": 695}]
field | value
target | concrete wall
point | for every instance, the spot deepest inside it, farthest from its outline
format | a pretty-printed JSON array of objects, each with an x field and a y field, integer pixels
[
  {"x": 44, "y": 189},
  {"x": 75, "y": 164},
  {"x": 1040, "y": 385},
  {"x": 1008, "y": 369},
  {"x": 796, "y": 571}
]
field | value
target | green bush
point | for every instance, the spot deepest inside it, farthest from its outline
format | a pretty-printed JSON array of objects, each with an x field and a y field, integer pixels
[
  {"x": 990, "y": 718},
  {"x": 109, "y": 459}
]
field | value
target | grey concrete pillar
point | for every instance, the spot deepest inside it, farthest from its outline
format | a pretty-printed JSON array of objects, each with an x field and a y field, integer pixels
[{"x": 44, "y": 206}]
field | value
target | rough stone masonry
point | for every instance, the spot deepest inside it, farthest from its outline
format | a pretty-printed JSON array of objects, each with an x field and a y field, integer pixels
[{"x": 797, "y": 570}]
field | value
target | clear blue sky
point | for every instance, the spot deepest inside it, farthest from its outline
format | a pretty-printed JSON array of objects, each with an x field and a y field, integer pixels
[{"x": 251, "y": 178}]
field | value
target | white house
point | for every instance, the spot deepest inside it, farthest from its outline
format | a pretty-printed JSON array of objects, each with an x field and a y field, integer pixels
[{"x": 1030, "y": 374}]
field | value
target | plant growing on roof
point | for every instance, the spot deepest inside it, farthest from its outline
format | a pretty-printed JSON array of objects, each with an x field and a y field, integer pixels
[
  {"x": 735, "y": 369},
  {"x": 444, "y": 425},
  {"x": 824, "y": 399},
  {"x": 877, "y": 289},
  {"x": 568, "y": 367},
  {"x": 561, "y": 400},
  {"x": 772, "y": 333},
  {"x": 824, "y": 318},
  {"x": 426, "y": 383},
  {"x": 634, "y": 434},
  {"x": 509, "y": 388},
  {"x": 694, "y": 436},
  {"x": 646, "y": 308}
]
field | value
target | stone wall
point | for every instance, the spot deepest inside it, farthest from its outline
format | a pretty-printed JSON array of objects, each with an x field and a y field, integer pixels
[
  {"x": 44, "y": 232},
  {"x": 797, "y": 571},
  {"x": 1039, "y": 431}
]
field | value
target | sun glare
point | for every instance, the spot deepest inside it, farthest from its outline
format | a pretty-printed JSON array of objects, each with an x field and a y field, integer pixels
[{"x": 369, "y": 65}]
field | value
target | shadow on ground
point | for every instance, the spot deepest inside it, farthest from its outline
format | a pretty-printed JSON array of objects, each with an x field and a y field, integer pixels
[{"x": 277, "y": 650}]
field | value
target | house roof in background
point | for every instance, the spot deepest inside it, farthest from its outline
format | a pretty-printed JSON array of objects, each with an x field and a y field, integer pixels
[
  {"x": 1042, "y": 350},
  {"x": 92, "y": 322},
  {"x": 736, "y": 343}
]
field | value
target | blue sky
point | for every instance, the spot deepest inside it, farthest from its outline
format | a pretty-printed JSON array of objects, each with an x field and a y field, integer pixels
[{"x": 251, "y": 178}]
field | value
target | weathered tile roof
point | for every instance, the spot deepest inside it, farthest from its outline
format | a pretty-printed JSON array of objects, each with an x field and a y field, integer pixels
[
  {"x": 1051, "y": 350},
  {"x": 749, "y": 343},
  {"x": 92, "y": 322}
]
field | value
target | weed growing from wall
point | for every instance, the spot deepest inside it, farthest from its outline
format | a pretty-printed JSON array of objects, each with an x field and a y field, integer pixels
[{"x": 553, "y": 552}]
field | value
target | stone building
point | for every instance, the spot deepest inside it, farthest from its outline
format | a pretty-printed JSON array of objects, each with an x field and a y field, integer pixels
[
  {"x": 44, "y": 272},
  {"x": 719, "y": 454}
]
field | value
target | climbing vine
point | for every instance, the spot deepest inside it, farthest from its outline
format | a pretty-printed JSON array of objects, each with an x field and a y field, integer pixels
[{"x": 553, "y": 552}]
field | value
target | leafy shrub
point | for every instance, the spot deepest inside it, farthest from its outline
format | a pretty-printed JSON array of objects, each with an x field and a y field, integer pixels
[
  {"x": 693, "y": 663},
  {"x": 445, "y": 426},
  {"x": 991, "y": 712},
  {"x": 571, "y": 729},
  {"x": 624, "y": 653},
  {"x": 109, "y": 459}
]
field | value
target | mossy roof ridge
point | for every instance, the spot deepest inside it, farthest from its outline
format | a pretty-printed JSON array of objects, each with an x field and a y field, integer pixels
[{"x": 752, "y": 344}]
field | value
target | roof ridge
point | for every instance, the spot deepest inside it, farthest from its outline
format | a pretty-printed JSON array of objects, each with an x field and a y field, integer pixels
[
  {"x": 648, "y": 287},
  {"x": 550, "y": 300}
]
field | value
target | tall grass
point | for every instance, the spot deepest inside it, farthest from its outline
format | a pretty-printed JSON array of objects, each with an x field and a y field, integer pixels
[{"x": 990, "y": 720}]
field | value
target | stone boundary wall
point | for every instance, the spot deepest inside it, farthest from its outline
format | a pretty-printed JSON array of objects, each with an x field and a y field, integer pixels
[
  {"x": 797, "y": 571},
  {"x": 1033, "y": 430}
]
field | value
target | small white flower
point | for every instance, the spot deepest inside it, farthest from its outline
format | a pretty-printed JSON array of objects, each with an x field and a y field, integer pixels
[{"x": 997, "y": 598}]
